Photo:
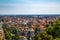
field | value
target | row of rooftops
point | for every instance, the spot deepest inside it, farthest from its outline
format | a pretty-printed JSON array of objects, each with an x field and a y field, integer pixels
[{"x": 27, "y": 21}]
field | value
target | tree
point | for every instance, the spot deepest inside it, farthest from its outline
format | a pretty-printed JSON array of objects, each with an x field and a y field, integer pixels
[
  {"x": 11, "y": 33},
  {"x": 28, "y": 37},
  {"x": 54, "y": 30},
  {"x": 29, "y": 24},
  {"x": 36, "y": 32}
]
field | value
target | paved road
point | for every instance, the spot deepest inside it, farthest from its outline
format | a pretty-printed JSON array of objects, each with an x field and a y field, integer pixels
[{"x": 1, "y": 30}]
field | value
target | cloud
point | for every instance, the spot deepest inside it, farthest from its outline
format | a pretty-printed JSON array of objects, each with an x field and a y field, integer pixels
[{"x": 34, "y": 8}]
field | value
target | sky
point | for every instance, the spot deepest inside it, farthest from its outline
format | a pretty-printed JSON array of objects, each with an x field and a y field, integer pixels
[{"x": 16, "y": 7}]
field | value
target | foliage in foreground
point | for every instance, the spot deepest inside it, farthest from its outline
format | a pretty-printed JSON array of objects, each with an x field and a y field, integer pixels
[
  {"x": 52, "y": 32},
  {"x": 10, "y": 33}
]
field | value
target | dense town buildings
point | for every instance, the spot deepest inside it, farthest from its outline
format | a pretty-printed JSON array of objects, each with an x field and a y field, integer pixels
[{"x": 27, "y": 24}]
